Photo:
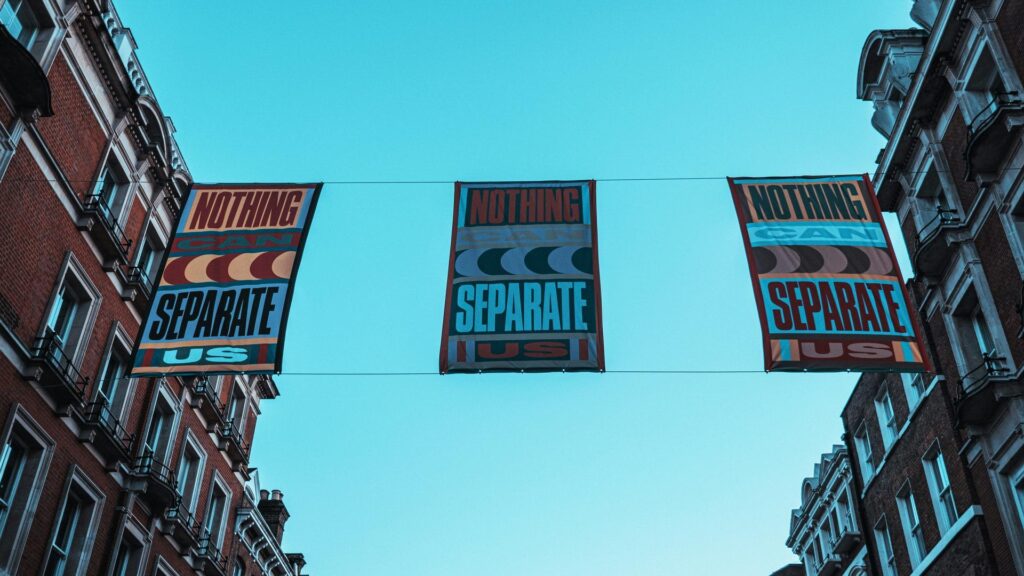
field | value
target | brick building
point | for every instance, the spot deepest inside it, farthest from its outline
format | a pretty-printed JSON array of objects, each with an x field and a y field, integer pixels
[
  {"x": 100, "y": 474},
  {"x": 940, "y": 458},
  {"x": 825, "y": 531}
]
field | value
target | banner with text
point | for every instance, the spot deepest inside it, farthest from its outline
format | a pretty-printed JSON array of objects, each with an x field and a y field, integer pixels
[
  {"x": 829, "y": 292},
  {"x": 524, "y": 291},
  {"x": 221, "y": 302}
]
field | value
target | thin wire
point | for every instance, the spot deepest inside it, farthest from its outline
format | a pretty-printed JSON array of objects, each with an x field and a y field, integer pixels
[{"x": 416, "y": 182}]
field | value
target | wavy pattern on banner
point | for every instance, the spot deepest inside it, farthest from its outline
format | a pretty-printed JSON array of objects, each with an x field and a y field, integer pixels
[
  {"x": 827, "y": 259},
  {"x": 569, "y": 260},
  {"x": 228, "y": 267}
]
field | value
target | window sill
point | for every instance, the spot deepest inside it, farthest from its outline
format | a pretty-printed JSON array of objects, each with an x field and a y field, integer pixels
[{"x": 946, "y": 539}]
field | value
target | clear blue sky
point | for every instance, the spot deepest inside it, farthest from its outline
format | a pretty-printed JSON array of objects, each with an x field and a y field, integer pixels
[{"x": 527, "y": 474}]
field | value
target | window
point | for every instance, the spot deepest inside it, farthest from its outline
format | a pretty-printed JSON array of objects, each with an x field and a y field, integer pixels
[
  {"x": 933, "y": 206},
  {"x": 70, "y": 313},
  {"x": 113, "y": 387},
  {"x": 885, "y": 551},
  {"x": 74, "y": 529},
  {"x": 914, "y": 387},
  {"x": 863, "y": 444},
  {"x": 111, "y": 189},
  {"x": 939, "y": 488},
  {"x": 983, "y": 89},
  {"x": 25, "y": 453},
  {"x": 159, "y": 432},
  {"x": 213, "y": 523},
  {"x": 128, "y": 560},
  {"x": 975, "y": 337},
  {"x": 21, "y": 21},
  {"x": 886, "y": 418},
  {"x": 1017, "y": 486},
  {"x": 189, "y": 471},
  {"x": 239, "y": 569},
  {"x": 236, "y": 407},
  {"x": 151, "y": 254},
  {"x": 911, "y": 525}
]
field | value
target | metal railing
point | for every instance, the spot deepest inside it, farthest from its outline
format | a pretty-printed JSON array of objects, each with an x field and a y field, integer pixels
[
  {"x": 943, "y": 217},
  {"x": 136, "y": 276},
  {"x": 991, "y": 365},
  {"x": 149, "y": 465},
  {"x": 48, "y": 349},
  {"x": 180, "y": 513},
  {"x": 233, "y": 434},
  {"x": 208, "y": 550},
  {"x": 989, "y": 111},
  {"x": 99, "y": 413},
  {"x": 95, "y": 204},
  {"x": 202, "y": 386}
]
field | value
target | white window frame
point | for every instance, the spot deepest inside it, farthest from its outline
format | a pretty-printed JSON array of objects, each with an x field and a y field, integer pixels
[
  {"x": 960, "y": 311},
  {"x": 73, "y": 269},
  {"x": 118, "y": 338},
  {"x": 886, "y": 413},
  {"x": 937, "y": 473},
  {"x": 914, "y": 387},
  {"x": 913, "y": 532},
  {"x": 883, "y": 541},
  {"x": 862, "y": 441},
  {"x": 80, "y": 483},
  {"x": 218, "y": 481},
  {"x": 46, "y": 44},
  {"x": 28, "y": 427},
  {"x": 163, "y": 395},
  {"x": 131, "y": 529},
  {"x": 191, "y": 442}
]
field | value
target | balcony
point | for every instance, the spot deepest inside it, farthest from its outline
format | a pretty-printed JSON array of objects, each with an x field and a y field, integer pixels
[
  {"x": 934, "y": 245},
  {"x": 978, "y": 393},
  {"x": 829, "y": 565},
  {"x": 847, "y": 540},
  {"x": 207, "y": 401},
  {"x": 139, "y": 283},
  {"x": 234, "y": 445},
  {"x": 23, "y": 78},
  {"x": 158, "y": 484},
  {"x": 56, "y": 373},
  {"x": 992, "y": 131},
  {"x": 180, "y": 525},
  {"x": 209, "y": 559},
  {"x": 106, "y": 433},
  {"x": 106, "y": 231}
]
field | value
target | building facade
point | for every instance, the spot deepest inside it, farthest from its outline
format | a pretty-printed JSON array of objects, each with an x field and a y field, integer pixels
[
  {"x": 939, "y": 458},
  {"x": 99, "y": 473},
  {"x": 825, "y": 531}
]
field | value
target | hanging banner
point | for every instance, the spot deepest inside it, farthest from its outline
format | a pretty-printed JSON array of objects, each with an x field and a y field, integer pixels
[
  {"x": 829, "y": 292},
  {"x": 221, "y": 302},
  {"x": 524, "y": 291}
]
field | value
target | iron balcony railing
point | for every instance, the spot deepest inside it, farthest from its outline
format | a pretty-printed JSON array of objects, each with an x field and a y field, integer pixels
[
  {"x": 149, "y": 465},
  {"x": 97, "y": 206},
  {"x": 48, "y": 349},
  {"x": 943, "y": 217},
  {"x": 138, "y": 277},
  {"x": 989, "y": 111},
  {"x": 203, "y": 387},
  {"x": 231, "y": 433},
  {"x": 211, "y": 553},
  {"x": 991, "y": 365},
  {"x": 179, "y": 512},
  {"x": 99, "y": 414}
]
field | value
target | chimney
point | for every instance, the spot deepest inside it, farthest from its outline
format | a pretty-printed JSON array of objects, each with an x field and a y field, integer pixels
[
  {"x": 297, "y": 561},
  {"x": 274, "y": 512}
]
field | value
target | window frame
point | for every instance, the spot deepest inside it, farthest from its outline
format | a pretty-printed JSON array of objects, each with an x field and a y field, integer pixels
[
  {"x": 80, "y": 483},
  {"x": 934, "y": 475},
  {"x": 217, "y": 482},
  {"x": 124, "y": 189},
  {"x": 49, "y": 33},
  {"x": 163, "y": 396},
  {"x": 862, "y": 441},
  {"x": 191, "y": 441},
  {"x": 888, "y": 564},
  {"x": 886, "y": 412},
  {"x": 913, "y": 533},
  {"x": 118, "y": 338},
  {"x": 73, "y": 269},
  {"x": 130, "y": 530},
  {"x": 27, "y": 426}
]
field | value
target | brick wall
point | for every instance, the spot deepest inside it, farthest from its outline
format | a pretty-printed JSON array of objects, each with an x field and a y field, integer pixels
[
  {"x": 73, "y": 135},
  {"x": 954, "y": 143},
  {"x": 1003, "y": 278}
]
